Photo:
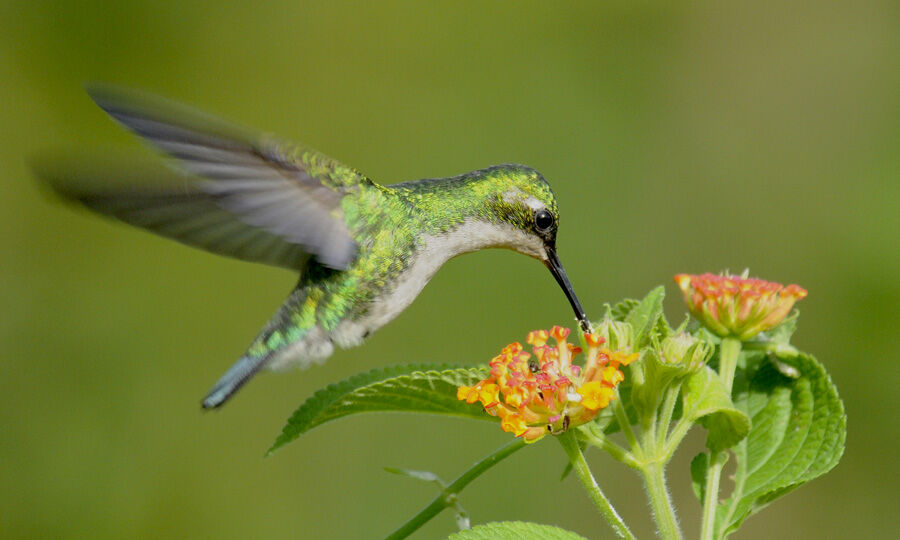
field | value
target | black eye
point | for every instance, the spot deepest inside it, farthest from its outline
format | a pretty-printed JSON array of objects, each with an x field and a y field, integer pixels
[{"x": 543, "y": 220}]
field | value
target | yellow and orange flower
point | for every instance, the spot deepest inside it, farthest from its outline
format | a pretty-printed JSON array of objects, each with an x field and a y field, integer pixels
[
  {"x": 543, "y": 392},
  {"x": 736, "y": 306}
]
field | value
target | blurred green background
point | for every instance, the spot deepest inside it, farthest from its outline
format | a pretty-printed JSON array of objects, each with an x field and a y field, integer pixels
[{"x": 677, "y": 140}]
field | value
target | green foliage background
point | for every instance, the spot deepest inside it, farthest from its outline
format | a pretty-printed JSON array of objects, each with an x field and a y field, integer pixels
[{"x": 677, "y": 140}]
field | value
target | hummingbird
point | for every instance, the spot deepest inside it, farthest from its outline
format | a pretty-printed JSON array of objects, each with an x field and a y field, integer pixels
[{"x": 363, "y": 251}]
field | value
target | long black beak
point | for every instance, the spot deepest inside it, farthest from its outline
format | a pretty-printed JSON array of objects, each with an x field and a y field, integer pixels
[{"x": 559, "y": 273}]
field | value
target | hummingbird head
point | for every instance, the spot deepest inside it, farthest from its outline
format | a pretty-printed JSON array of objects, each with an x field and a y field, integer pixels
[
  {"x": 527, "y": 203},
  {"x": 507, "y": 206}
]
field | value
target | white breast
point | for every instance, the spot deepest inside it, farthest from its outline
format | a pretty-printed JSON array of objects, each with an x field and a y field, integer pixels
[{"x": 434, "y": 252}]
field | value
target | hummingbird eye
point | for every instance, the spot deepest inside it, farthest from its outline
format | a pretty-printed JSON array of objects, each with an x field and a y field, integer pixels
[{"x": 543, "y": 220}]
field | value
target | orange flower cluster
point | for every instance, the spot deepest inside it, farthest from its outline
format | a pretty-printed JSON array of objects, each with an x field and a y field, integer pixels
[
  {"x": 737, "y": 306},
  {"x": 544, "y": 392}
]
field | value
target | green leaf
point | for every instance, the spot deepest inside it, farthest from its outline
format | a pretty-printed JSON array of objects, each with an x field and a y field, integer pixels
[
  {"x": 621, "y": 310},
  {"x": 699, "y": 466},
  {"x": 407, "y": 388},
  {"x": 515, "y": 530},
  {"x": 644, "y": 316},
  {"x": 657, "y": 376},
  {"x": 704, "y": 398},
  {"x": 661, "y": 329},
  {"x": 799, "y": 429},
  {"x": 779, "y": 347}
]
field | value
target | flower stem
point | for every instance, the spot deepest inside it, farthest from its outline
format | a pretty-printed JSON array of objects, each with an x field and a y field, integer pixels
[
  {"x": 596, "y": 437},
  {"x": 711, "y": 496},
  {"x": 728, "y": 356},
  {"x": 625, "y": 425},
  {"x": 675, "y": 437},
  {"x": 447, "y": 497},
  {"x": 667, "y": 411},
  {"x": 663, "y": 511},
  {"x": 576, "y": 457}
]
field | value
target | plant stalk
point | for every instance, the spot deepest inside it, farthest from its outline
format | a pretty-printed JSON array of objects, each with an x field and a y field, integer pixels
[
  {"x": 660, "y": 502},
  {"x": 597, "y": 438},
  {"x": 728, "y": 356},
  {"x": 448, "y": 495},
  {"x": 576, "y": 457},
  {"x": 711, "y": 496},
  {"x": 625, "y": 425},
  {"x": 667, "y": 410}
]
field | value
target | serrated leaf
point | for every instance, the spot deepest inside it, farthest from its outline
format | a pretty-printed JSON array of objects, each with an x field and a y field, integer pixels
[
  {"x": 515, "y": 530},
  {"x": 407, "y": 388},
  {"x": 799, "y": 430},
  {"x": 643, "y": 317},
  {"x": 621, "y": 310},
  {"x": 660, "y": 329},
  {"x": 699, "y": 467},
  {"x": 704, "y": 398}
]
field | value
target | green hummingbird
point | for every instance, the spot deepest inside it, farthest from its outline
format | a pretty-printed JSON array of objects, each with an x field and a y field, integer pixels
[{"x": 363, "y": 250}]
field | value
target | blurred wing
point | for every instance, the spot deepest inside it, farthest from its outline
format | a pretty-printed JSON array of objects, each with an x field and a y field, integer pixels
[
  {"x": 190, "y": 217},
  {"x": 249, "y": 189}
]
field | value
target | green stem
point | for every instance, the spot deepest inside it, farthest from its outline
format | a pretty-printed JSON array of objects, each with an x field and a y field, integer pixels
[
  {"x": 625, "y": 425},
  {"x": 600, "y": 440},
  {"x": 740, "y": 478},
  {"x": 576, "y": 457},
  {"x": 711, "y": 496},
  {"x": 660, "y": 502},
  {"x": 648, "y": 430},
  {"x": 667, "y": 411},
  {"x": 675, "y": 436},
  {"x": 447, "y": 497},
  {"x": 728, "y": 356}
]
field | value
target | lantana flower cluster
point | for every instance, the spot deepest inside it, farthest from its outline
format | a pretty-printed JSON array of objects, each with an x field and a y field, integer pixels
[
  {"x": 544, "y": 392},
  {"x": 737, "y": 306}
]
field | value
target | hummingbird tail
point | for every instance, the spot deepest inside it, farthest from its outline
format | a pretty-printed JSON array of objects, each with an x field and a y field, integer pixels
[{"x": 234, "y": 378}]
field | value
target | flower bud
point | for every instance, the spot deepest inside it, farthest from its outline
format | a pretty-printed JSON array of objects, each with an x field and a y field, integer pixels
[
  {"x": 685, "y": 350},
  {"x": 737, "y": 306},
  {"x": 619, "y": 335}
]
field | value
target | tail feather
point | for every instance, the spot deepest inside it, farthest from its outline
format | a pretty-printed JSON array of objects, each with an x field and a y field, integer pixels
[
  {"x": 279, "y": 344},
  {"x": 233, "y": 380}
]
